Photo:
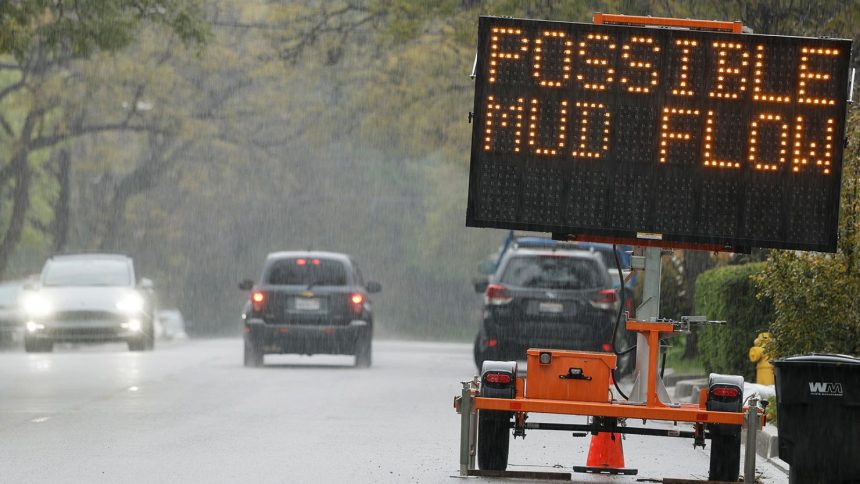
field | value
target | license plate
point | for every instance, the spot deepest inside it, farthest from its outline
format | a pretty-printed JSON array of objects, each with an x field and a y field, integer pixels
[
  {"x": 307, "y": 304},
  {"x": 547, "y": 307}
]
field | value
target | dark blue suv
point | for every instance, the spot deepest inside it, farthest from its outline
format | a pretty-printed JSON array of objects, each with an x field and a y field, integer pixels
[{"x": 550, "y": 296}]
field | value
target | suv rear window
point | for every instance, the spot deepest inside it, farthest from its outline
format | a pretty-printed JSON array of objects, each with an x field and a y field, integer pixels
[
  {"x": 609, "y": 258},
  {"x": 306, "y": 271},
  {"x": 553, "y": 272}
]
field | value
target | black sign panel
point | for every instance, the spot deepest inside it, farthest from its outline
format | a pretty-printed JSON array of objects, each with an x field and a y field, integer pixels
[{"x": 687, "y": 136}]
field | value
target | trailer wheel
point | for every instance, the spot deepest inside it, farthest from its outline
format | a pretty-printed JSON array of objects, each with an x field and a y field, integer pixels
[
  {"x": 725, "y": 394},
  {"x": 725, "y": 456},
  {"x": 494, "y": 438}
]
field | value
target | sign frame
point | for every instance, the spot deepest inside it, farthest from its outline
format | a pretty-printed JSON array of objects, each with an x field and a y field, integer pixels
[{"x": 667, "y": 237}]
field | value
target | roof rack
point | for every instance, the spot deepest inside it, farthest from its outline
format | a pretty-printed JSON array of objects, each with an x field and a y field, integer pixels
[{"x": 541, "y": 242}]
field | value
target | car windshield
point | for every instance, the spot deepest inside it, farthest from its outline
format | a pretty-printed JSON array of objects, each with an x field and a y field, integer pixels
[
  {"x": 307, "y": 271},
  {"x": 552, "y": 272},
  {"x": 87, "y": 272}
]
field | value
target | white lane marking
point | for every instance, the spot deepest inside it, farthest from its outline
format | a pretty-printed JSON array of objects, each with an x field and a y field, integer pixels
[
  {"x": 133, "y": 389},
  {"x": 40, "y": 419}
]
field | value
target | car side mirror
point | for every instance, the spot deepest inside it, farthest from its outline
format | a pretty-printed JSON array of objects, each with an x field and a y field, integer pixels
[
  {"x": 146, "y": 284},
  {"x": 481, "y": 284},
  {"x": 486, "y": 267},
  {"x": 246, "y": 285},
  {"x": 373, "y": 287}
]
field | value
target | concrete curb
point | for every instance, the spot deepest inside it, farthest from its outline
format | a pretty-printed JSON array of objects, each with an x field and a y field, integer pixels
[
  {"x": 670, "y": 378},
  {"x": 688, "y": 390}
]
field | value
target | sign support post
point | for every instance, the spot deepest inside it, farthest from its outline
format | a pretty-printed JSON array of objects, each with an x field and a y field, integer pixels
[{"x": 648, "y": 311}]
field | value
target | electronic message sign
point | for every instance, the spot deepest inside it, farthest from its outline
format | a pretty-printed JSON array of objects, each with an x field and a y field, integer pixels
[{"x": 685, "y": 136}]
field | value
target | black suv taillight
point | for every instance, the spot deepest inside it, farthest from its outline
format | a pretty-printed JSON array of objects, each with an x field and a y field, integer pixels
[
  {"x": 605, "y": 299},
  {"x": 258, "y": 301},
  {"x": 497, "y": 295},
  {"x": 357, "y": 302}
]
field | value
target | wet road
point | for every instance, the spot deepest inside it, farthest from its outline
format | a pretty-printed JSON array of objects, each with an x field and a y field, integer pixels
[{"x": 189, "y": 412}]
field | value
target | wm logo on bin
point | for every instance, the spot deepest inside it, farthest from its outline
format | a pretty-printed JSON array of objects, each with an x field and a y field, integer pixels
[{"x": 825, "y": 389}]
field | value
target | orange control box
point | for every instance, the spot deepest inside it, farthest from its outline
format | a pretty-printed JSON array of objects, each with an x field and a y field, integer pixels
[{"x": 581, "y": 376}]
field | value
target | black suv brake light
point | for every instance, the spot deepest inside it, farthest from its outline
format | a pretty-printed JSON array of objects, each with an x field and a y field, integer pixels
[
  {"x": 497, "y": 295},
  {"x": 605, "y": 299},
  {"x": 357, "y": 301},
  {"x": 258, "y": 301}
]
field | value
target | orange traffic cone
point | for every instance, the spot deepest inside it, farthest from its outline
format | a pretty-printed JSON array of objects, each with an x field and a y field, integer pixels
[{"x": 605, "y": 456}]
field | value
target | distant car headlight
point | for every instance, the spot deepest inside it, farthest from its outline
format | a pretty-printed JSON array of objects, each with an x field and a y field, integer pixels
[
  {"x": 133, "y": 325},
  {"x": 36, "y": 305},
  {"x": 32, "y": 326},
  {"x": 133, "y": 303}
]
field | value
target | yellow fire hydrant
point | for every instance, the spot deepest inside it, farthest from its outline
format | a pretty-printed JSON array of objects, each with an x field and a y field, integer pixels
[{"x": 763, "y": 368}]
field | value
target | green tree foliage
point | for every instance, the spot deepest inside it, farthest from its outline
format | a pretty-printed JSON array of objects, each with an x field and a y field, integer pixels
[
  {"x": 728, "y": 294},
  {"x": 82, "y": 27},
  {"x": 43, "y": 104},
  {"x": 816, "y": 295}
]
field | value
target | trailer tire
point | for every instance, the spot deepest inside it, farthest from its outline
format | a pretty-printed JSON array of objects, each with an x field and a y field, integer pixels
[
  {"x": 494, "y": 439},
  {"x": 725, "y": 455}
]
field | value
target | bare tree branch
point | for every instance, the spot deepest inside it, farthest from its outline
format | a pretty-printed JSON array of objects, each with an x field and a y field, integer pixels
[
  {"x": 22, "y": 83},
  {"x": 6, "y": 126},
  {"x": 326, "y": 22},
  {"x": 21, "y": 193},
  {"x": 47, "y": 141}
]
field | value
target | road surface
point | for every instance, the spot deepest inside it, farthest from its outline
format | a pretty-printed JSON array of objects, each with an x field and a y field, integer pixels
[{"x": 190, "y": 412}]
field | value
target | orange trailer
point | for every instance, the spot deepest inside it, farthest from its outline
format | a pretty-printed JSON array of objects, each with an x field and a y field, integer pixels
[{"x": 578, "y": 383}]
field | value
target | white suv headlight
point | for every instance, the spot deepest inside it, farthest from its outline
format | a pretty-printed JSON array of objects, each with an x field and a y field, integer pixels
[
  {"x": 133, "y": 303},
  {"x": 36, "y": 305}
]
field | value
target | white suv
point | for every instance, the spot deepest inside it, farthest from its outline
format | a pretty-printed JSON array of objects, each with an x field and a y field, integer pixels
[{"x": 88, "y": 298}]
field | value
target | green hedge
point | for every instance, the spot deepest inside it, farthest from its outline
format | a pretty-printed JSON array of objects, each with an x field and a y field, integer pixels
[{"x": 728, "y": 294}]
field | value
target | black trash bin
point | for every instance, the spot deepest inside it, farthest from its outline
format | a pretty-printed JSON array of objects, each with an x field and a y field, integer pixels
[{"x": 818, "y": 413}]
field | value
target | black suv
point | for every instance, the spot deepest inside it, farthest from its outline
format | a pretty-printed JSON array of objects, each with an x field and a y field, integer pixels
[
  {"x": 547, "y": 297},
  {"x": 309, "y": 303}
]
